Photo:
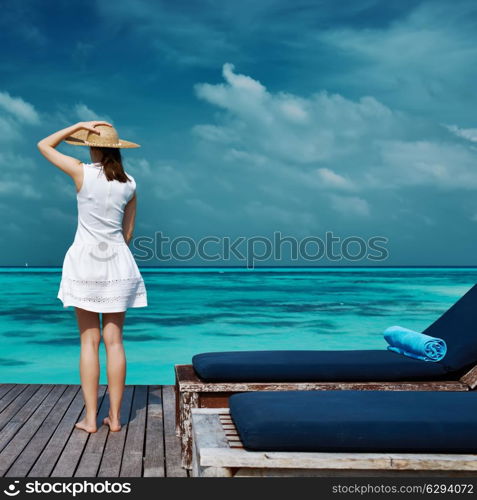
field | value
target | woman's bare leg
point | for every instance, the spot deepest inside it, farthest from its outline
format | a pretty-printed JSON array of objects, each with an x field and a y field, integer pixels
[
  {"x": 116, "y": 365},
  {"x": 88, "y": 323}
]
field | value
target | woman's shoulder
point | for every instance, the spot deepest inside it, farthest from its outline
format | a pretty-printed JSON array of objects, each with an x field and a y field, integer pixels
[
  {"x": 94, "y": 165},
  {"x": 131, "y": 178}
]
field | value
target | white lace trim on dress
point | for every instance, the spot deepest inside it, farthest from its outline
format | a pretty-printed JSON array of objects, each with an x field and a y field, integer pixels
[
  {"x": 87, "y": 283},
  {"x": 102, "y": 300}
]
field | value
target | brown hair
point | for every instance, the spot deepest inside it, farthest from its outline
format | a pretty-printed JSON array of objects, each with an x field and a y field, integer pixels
[{"x": 112, "y": 164}]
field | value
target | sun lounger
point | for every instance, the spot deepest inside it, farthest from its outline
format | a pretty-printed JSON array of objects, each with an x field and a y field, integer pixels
[
  {"x": 213, "y": 377},
  {"x": 339, "y": 433}
]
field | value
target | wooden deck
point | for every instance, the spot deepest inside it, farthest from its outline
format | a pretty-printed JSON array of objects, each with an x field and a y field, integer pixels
[{"x": 38, "y": 437}]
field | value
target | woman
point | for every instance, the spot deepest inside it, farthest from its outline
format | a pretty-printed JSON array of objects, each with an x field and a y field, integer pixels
[{"x": 99, "y": 272}]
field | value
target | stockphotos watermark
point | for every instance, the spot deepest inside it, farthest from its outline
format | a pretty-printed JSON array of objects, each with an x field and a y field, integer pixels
[
  {"x": 258, "y": 249},
  {"x": 71, "y": 488}
]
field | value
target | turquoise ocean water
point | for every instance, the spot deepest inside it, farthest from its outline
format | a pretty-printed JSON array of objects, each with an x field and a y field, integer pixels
[{"x": 200, "y": 310}]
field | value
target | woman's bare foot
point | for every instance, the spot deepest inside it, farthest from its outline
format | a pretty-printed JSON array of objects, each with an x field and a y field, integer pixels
[
  {"x": 114, "y": 423},
  {"x": 86, "y": 426}
]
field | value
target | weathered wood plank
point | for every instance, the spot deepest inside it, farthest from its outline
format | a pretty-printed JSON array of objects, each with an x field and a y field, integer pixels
[
  {"x": 239, "y": 458},
  {"x": 208, "y": 434},
  {"x": 227, "y": 457},
  {"x": 343, "y": 473},
  {"x": 47, "y": 459},
  {"x": 9, "y": 397},
  {"x": 188, "y": 401},
  {"x": 4, "y": 388},
  {"x": 131, "y": 465},
  {"x": 34, "y": 448},
  {"x": 171, "y": 441},
  {"x": 19, "y": 398},
  {"x": 233, "y": 387},
  {"x": 154, "y": 449},
  {"x": 68, "y": 460},
  {"x": 113, "y": 451},
  {"x": 470, "y": 378},
  {"x": 208, "y": 431},
  {"x": 91, "y": 458},
  {"x": 31, "y": 424},
  {"x": 18, "y": 419},
  {"x": 188, "y": 381}
]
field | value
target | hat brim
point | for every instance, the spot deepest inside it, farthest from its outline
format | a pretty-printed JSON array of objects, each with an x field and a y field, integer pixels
[{"x": 74, "y": 141}]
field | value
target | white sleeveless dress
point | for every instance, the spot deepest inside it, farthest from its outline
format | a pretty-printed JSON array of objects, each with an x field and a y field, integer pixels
[{"x": 99, "y": 271}]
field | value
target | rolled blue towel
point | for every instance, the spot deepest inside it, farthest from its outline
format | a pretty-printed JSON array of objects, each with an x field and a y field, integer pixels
[{"x": 414, "y": 344}]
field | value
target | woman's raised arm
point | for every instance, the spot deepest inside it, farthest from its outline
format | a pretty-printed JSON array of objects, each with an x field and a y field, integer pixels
[{"x": 68, "y": 164}]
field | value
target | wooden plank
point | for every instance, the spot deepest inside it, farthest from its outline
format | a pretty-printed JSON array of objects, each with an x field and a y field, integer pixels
[
  {"x": 34, "y": 448},
  {"x": 52, "y": 451},
  {"x": 343, "y": 473},
  {"x": 19, "y": 418},
  {"x": 10, "y": 396},
  {"x": 154, "y": 449},
  {"x": 91, "y": 458},
  {"x": 208, "y": 431},
  {"x": 69, "y": 458},
  {"x": 113, "y": 452},
  {"x": 32, "y": 423},
  {"x": 171, "y": 442},
  {"x": 433, "y": 461},
  {"x": 186, "y": 374},
  {"x": 208, "y": 434},
  {"x": 187, "y": 401},
  {"x": 232, "y": 458},
  {"x": 4, "y": 388},
  {"x": 228, "y": 388},
  {"x": 20, "y": 397},
  {"x": 188, "y": 381},
  {"x": 47, "y": 459},
  {"x": 470, "y": 378},
  {"x": 213, "y": 411},
  {"x": 131, "y": 465}
]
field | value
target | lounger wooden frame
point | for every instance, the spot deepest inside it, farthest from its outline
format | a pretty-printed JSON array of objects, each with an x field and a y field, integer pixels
[
  {"x": 192, "y": 392},
  {"x": 218, "y": 452}
]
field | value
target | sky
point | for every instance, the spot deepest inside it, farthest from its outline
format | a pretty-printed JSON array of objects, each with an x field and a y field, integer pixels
[{"x": 354, "y": 118}]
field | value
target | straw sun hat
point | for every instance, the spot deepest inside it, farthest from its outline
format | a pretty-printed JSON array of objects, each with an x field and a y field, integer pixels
[{"x": 107, "y": 138}]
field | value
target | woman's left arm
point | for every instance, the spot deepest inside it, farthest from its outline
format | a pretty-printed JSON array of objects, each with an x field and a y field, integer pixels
[
  {"x": 129, "y": 219},
  {"x": 67, "y": 164}
]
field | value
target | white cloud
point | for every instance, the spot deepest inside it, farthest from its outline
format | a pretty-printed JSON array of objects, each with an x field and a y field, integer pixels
[
  {"x": 426, "y": 163},
  {"x": 319, "y": 156},
  {"x": 417, "y": 60},
  {"x": 350, "y": 205},
  {"x": 214, "y": 133},
  {"x": 466, "y": 133},
  {"x": 165, "y": 181},
  {"x": 18, "y": 176},
  {"x": 23, "y": 111},
  {"x": 201, "y": 205},
  {"x": 333, "y": 180},
  {"x": 84, "y": 113},
  {"x": 290, "y": 128},
  {"x": 9, "y": 130},
  {"x": 332, "y": 143}
]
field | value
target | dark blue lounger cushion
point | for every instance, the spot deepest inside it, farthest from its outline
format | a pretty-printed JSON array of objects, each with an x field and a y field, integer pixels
[
  {"x": 357, "y": 421},
  {"x": 457, "y": 326},
  {"x": 313, "y": 366}
]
